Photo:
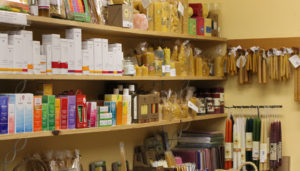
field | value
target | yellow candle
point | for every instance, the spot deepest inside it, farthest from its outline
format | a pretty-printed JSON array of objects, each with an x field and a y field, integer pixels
[
  {"x": 138, "y": 70},
  {"x": 144, "y": 70},
  {"x": 157, "y": 15},
  {"x": 199, "y": 67}
]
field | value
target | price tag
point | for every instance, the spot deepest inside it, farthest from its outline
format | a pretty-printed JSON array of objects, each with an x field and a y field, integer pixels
[
  {"x": 180, "y": 9},
  {"x": 273, "y": 151},
  {"x": 167, "y": 68},
  {"x": 228, "y": 151},
  {"x": 146, "y": 3},
  {"x": 255, "y": 151},
  {"x": 163, "y": 68},
  {"x": 249, "y": 141},
  {"x": 263, "y": 153},
  {"x": 295, "y": 61},
  {"x": 193, "y": 107},
  {"x": 173, "y": 73}
]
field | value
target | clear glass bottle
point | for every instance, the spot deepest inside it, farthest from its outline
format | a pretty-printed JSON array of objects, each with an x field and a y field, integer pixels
[{"x": 44, "y": 8}]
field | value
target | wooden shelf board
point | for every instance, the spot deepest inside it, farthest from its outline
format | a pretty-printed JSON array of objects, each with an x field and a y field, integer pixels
[
  {"x": 112, "y": 30},
  {"x": 108, "y": 129},
  {"x": 98, "y": 77}
]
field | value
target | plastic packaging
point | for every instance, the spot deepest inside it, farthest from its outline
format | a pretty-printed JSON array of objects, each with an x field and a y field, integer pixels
[
  {"x": 57, "y": 9},
  {"x": 198, "y": 62},
  {"x": 15, "y": 6}
]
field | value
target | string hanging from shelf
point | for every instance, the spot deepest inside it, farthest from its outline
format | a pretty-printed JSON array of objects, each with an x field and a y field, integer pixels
[{"x": 256, "y": 134}]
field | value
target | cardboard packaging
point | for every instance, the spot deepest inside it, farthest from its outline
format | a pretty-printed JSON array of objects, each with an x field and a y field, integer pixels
[
  {"x": 19, "y": 62},
  {"x": 120, "y": 15},
  {"x": 28, "y": 49},
  {"x": 104, "y": 47},
  {"x": 207, "y": 27},
  {"x": 3, "y": 114},
  {"x": 200, "y": 25},
  {"x": 48, "y": 117},
  {"x": 37, "y": 113},
  {"x": 119, "y": 116},
  {"x": 63, "y": 112},
  {"x": 5, "y": 66},
  {"x": 215, "y": 21},
  {"x": 57, "y": 113},
  {"x": 70, "y": 56},
  {"x": 197, "y": 9},
  {"x": 81, "y": 111},
  {"x": 64, "y": 56},
  {"x": 10, "y": 55},
  {"x": 11, "y": 113},
  {"x": 113, "y": 97},
  {"x": 75, "y": 35},
  {"x": 36, "y": 55},
  {"x": 105, "y": 123},
  {"x": 47, "y": 89},
  {"x": 54, "y": 41},
  {"x": 124, "y": 113},
  {"x": 92, "y": 114},
  {"x": 28, "y": 115},
  {"x": 192, "y": 26},
  {"x": 98, "y": 66},
  {"x": 88, "y": 57},
  {"x": 45, "y": 111},
  {"x": 71, "y": 112},
  {"x": 104, "y": 118},
  {"x": 112, "y": 108},
  {"x": 148, "y": 108},
  {"x": 20, "y": 110},
  {"x": 47, "y": 52}
]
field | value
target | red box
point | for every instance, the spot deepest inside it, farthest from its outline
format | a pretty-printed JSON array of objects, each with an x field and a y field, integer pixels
[
  {"x": 81, "y": 111},
  {"x": 197, "y": 8},
  {"x": 200, "y": 25}
]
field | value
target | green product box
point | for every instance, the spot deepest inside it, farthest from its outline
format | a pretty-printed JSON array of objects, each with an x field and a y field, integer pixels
[
  {"x": 45, "y": 116},
  {"x": 51, "y": 114},
  {"x": 192, "y": 26}
]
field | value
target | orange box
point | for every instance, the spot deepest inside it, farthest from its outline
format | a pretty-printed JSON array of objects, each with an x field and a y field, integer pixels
[
  {"x": 57, "y": 113},
  {"x": 119, "y": 112},
  {"x": 37, "y": 114}
]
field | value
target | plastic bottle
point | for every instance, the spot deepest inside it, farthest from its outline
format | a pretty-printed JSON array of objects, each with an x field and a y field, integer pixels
[
  {"x": 127, "y": 98},
  {"x": 133, "y": 95}
]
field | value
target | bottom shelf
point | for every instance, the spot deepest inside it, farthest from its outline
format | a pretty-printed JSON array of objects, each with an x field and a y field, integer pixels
[{"x": 107, "y": 129}]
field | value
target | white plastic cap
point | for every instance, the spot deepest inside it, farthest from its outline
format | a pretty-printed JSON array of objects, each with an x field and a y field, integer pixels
[
  {"x": 125, "y": 91},
  {"x": 131, "y": 87}
]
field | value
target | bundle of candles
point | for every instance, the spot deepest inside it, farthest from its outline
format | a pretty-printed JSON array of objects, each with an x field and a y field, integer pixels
[
  {"x": 273, "y": 63},
  {"x": 254, "y": 139}
]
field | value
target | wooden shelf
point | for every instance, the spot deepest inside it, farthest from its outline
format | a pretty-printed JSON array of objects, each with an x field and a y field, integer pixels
[
  {"x": 108, "y": 129},
  {"x": 46, "y": 22},
  {"x": 98, "y": 77}
]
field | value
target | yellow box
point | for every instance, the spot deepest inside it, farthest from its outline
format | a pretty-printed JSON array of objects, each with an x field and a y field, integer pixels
[
  {"x": 207, "y": 27},
  {"x": 47, "y": 89},
  {"x": 113, "y": 98}
]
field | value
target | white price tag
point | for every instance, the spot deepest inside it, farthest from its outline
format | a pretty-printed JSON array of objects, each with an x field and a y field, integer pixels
[
  {"x": 146, "y": 3},
  {"x": 173, "y": 73},
  {"x": 273, "y": 151},
  {"x": 249, "y": 141},
  {"x": 167, "y": 68},
  {"x": 244, "y": 61},
  {"x": 263, "y": 153},
  {"x": 279, "y": 152},
  {"x": 193, "y": 106},
  {"x": 180, "y": 9},
  {"x": 255, "y": 151},
  {"x": 228, "y": 151},
  {"x": 295, "y": 61}
]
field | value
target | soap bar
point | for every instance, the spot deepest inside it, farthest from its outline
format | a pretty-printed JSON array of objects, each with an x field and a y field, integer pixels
[{"x": 192, "y": 26}]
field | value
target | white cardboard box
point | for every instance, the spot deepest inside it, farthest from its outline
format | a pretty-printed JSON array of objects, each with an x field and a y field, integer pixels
[
  {"x": 36, "y": 55},
  {"x": 27, "y": 44},
  {"x": 5, "y": 65},
  {"x": 54, "y": 41},
  {"x": 88, "y": 61},
  {"x": 97, "y": 56},
  {"x": 64, "y": 56},
  {"x": 75, "y": 35},
  {"x": 19, "y": 63}
]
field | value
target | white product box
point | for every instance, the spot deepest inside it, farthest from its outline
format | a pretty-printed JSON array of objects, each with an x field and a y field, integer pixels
[
  {"x": 98, "y": 66},
  {"x": 13, "y": 18},
  {"x": 75, "y": 35},
  {"x": 111, "y": 63},
  {"x": 70, "y": 56},
  {"x": 27, "y": 44},
  {"x": 11, "y": 58},
  {"x": 105, "y": 56},
  {"x": 28, "y": 113},
  {"x": 19, "y": 113},
  {"x": 19, "y": 63},
  {"x": 88, "y": 61},
  {"x": 47, "y": 52},
  {"x": 4, "y": 56},
  {"x": 116, "y": 45},
  {"x": 54, "y": 41},
  {"x": 64, "y": 56},
  {"x": 36, "y": 55}
]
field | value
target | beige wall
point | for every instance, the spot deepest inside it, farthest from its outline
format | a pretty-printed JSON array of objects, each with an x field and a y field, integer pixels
[{"x": 242, "y": 19}]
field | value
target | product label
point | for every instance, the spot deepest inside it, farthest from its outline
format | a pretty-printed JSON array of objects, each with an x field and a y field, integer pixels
[
  {"x": 295, "y": 61},
  {"x": 273, "y": 151},
  {"x": 249, "y": 142},
  {"x": 279, "y": 150},
  {"x": 263, "y": 153},
  {"x": 228, "y": 151},
  {"x": 34, "y": 10},
  {"x": 44, "y": 4},
  {"x": 173, "y": 72},
  {"x": 193, "y": 106},
  {"x": 255, "y": 150},
  {"x": 243, "y": 156},
  {"x": 236, "y": 143},
  {"x": 135, "y": 107}
]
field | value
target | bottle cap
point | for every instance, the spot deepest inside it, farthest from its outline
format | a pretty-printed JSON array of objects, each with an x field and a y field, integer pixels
[
  {"x": 131, "y": 87},
  {"x": 116, "y": 91},
  {"x": 120, "y": 87},
  {"x": 125, "y": 91}
]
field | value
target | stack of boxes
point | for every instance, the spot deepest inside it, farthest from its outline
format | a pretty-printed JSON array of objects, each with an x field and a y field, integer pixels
[
  {"x": 199, "y": 20},
  {"x": 21, "y": 55}
]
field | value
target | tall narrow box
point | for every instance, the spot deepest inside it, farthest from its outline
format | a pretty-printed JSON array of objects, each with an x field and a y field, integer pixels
[
  {"x": 105, "y": 59},
  {"x": 51, "y": 114},
  {"x": 207, "y": 27},
  {"x": 45, "y": 113},
  {"x": 71, "y": 112},
  {"x": 5, "y": 65},
  {"x": 19, "y": 115},
  {"x": 112, "y": 108},
  {"x": 119, "y": 115},
  {"x": 81, "y": 111},
  {"x": 88, "y": 60},
  {"x": 200, "y": 25},
  {"x": 71, "y": 59},
  {"x": 28, "y": 49},
  {"x": 47, "y": 52},
  {"x": 28, "y": 113},
  {"x": 19, "y": 63},
  {"x": 3, "y": 114},
  {"x": 98, "y": 66},
  {"x": 54, "y": 41},
  {"x": 36, "y": 56},
  {"x": 91, "y": 114},
  {"x": 57, "y": 113},
  {"x": 64, "y": 56},
  {"x": 124, "y": 113},
  {"x": 11, "y": 113},
  {"x": 192, "y": 26},
  {"x": 37, "y": 113},
  {"x": 75, "y": 35},
  {"x": 64, "y": 112}
]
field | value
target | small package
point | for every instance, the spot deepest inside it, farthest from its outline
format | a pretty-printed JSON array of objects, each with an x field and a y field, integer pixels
[{"x": 120, "y": 15}]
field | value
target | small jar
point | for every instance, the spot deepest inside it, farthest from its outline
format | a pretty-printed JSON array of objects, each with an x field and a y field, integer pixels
[
  {"x": 209, "y": 104},
  {"x": 217, "y": 104},
  {"x": 44, "y": 8},
  {"x": 128, "y": 68}
]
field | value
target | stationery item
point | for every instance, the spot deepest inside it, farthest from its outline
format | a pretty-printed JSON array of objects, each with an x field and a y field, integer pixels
[{"x": 57, "y": 113}]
